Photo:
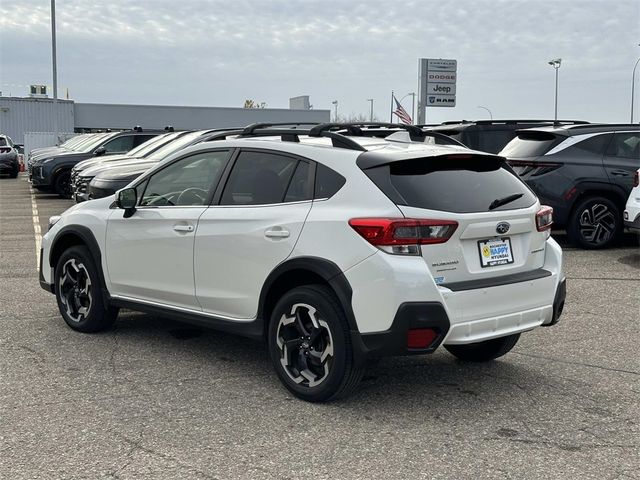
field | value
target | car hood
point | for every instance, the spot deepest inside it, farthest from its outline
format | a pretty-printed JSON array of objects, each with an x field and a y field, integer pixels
[
  {"x": 122, "y": 172},
  {"x": 92, "y": 162},
  {"x": 71, "y": 156}
]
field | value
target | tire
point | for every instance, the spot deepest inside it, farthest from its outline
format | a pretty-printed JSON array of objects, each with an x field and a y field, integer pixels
[
  {"x": 78, "y": 289},
  {"x": 14, "y": 173},
  {"x": 317, "y": 362},
  {"x": 62, "y": 184},
  {"x": 595, "y": 223},
  {"x": 484, "y": 351}
]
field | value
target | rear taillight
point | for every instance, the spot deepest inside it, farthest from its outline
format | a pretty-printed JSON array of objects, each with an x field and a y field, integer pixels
[
  {"x": 636, "y": 181},
  {"x": 544, "y": 218},
  {"x": 403, "y": 236},
  {"x": 5, "y": 149},
  {"x": 525, "y": 167}
]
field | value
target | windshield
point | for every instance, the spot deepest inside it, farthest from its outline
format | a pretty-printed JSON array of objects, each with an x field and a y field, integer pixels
[
  {"x": 149, "y": 145},
  {"x": 176, "y": 145},
  {"x": 94, "y": 142},
  {"x": 529, "y": 144}
]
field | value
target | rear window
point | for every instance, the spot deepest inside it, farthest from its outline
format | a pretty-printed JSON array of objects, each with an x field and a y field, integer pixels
[
  {"x": 459, "y": 186},
  {"x": 530, "y": 144}
]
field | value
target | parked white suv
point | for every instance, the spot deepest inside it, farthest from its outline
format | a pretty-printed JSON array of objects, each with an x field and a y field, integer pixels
[
  {"x": 632, "y": 209},
  {"x": 334, "y": 248}
]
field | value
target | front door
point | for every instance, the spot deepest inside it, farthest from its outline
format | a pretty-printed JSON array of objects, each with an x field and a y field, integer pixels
[{"x": 149, "y": 255}]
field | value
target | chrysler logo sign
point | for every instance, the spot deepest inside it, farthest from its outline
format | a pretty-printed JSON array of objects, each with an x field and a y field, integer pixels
[{"x": 502, "y": 228}]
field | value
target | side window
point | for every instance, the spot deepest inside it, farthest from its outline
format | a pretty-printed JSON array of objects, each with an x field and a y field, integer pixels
[
  {"x": 140, "y": 139},
  {"x": 594, "y": 145},
  {"x": 300, "y": 184},
  {"x": 120, "y": 144},
  {"x": 187, "y": 182},
  {"x": 626, "y": 145},
  {"x": 258, "y": 178},
  {"x": 328, "y": 182}
]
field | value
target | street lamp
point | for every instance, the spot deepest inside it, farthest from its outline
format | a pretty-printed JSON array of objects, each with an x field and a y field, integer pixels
[
  {"x": 370, "y": 100},
  {"x": 413, "y": 104},
  {"x": 633, "y": 84},
  {"x": 55, "y": 69},
  {"x": 556, "y": 65},
  {"x": 335, "y": 104},
  {"x": 490, "y": 115}
]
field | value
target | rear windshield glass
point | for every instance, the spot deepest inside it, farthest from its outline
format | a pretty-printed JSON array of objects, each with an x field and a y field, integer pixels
[
  {"x": 529, "y": 144},
  {"x": 459, "y": 186}
]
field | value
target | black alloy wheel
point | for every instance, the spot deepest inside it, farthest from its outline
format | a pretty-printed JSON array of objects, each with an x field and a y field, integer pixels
[
  {"x": 78, "y": 292},
  {"x": 595, "y": 223},
  {"x": 62, "y": 185},
  {"x": 310, "y": 346}
]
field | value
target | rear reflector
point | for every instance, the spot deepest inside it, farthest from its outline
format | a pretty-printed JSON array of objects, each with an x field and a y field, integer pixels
[
  {"x": 420, "y": 338},
  {"x": 636, "y": 181},
  {"x": 544, "y": 218},
  {"x": 403, "y": 231}
]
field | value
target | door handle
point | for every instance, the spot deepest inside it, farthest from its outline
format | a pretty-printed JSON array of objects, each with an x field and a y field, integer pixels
[
  {"x": 183, "y": 228},
  {"x": 620, "y": 173},
  {"x": 282, "y": 233}
]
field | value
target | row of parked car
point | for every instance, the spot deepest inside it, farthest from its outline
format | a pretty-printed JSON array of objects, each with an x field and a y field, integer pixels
[{"x": 584, "y": 171}]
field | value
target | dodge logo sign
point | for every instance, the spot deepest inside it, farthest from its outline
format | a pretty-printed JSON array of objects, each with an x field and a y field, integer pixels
[{"x": 502, "y": 228}]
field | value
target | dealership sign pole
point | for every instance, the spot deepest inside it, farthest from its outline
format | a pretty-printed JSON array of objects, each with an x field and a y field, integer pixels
[{"x": 436, "y": 84}]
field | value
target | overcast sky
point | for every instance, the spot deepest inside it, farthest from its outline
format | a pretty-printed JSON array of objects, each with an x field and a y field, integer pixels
[{"x": 221, "y": 52}]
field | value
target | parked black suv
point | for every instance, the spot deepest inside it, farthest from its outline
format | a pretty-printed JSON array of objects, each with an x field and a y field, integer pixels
[
  {"x": 491, "y": 135},
  {"x": 54, "y": 171},
  {"x": 8, "y": 157},
  {"x": 585, "y": 172}
]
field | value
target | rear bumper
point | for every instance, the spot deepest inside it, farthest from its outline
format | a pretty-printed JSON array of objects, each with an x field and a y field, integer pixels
[{"x": 394, "y": 294}]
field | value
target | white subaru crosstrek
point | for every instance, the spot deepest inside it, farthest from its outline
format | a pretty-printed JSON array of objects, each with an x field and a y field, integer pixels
[{"x": 332, "y": 245}]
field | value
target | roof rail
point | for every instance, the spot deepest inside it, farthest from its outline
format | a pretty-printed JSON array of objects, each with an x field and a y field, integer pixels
[
  {"x": 596, "y": 125},
  {"x": 137, "y": 128},
  {"x": 355, "y": 128},
  {"x": 249, "y": 129},
  {"x": 293, "y": 135}
]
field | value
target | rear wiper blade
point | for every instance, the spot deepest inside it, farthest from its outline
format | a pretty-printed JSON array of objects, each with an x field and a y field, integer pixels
[{"x": 498, "y": 202}]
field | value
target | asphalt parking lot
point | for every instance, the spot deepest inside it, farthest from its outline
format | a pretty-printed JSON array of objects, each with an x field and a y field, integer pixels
[{"x": 154, "y": 398}]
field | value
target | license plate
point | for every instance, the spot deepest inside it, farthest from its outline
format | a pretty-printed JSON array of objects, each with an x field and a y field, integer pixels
[{"x": 495, "y": 251}]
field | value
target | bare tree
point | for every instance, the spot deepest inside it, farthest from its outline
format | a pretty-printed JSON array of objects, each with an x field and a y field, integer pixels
[{"x": 253, "y": 104}]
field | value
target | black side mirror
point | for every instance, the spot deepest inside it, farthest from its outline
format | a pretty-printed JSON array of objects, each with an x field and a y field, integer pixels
[
  {"x": 99, "y": 151},
  {"x": 127, "y": 199}
]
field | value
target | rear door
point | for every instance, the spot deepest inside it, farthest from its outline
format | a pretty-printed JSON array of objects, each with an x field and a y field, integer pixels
[
  {"x": 622, "y": 159},
  {"x": 254, "y": 227}
]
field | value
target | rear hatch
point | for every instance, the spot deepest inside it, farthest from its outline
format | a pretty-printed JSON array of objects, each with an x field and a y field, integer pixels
[
  {"x": 526, "y": 152},
  {"x": 477, "y": 218}
]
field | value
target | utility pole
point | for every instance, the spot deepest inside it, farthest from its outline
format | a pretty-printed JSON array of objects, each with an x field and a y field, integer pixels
[
  {"x": 370, "y": 100},
  {"x": 633, "y": 85},
  {"x": 335, "y": 104},
  {"x": 55, "y": 70}
]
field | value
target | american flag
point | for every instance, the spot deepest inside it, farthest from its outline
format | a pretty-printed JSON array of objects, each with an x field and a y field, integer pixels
[{"x": 402, "y": 113}]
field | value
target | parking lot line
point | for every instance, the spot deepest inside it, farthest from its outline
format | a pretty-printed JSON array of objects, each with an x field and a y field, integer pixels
[{"x": 37, "y": 231}]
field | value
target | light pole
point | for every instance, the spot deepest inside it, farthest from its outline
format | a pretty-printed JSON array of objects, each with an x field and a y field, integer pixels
[
  {"x": 490, "y": 115},
  {"x": 413, "y": 104},
  {"x": 335, "y": 104},
  {"x": 370, "y": 100},
  {"x": 556, "y": 65},
  {"x": 633, "y": 84},
  {"x": 55, "y": 69}
]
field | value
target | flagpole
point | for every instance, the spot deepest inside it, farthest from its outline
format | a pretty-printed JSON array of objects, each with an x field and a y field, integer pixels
[{"x": 391, "y": 111}]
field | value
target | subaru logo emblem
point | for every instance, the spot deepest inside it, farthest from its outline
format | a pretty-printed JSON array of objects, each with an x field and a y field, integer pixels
[{"x": 502, "y": 228}]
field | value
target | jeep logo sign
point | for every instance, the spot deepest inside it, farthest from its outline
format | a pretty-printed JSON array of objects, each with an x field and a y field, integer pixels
[{"x": 441, "y": 88}]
